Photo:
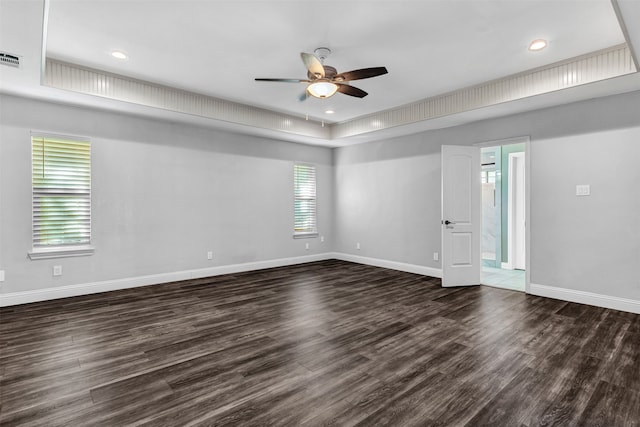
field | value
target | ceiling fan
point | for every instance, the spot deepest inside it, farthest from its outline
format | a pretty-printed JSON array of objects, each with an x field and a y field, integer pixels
[{"x": 324, "y": 80}]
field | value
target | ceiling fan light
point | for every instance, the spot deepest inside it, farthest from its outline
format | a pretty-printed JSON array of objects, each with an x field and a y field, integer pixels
[{"x": 322, "y": 89}]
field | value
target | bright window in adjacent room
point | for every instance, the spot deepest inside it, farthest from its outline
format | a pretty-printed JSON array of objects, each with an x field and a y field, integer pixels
[
  {"x": 61, "y": 196},
  {"x": 304, "y": 183}
]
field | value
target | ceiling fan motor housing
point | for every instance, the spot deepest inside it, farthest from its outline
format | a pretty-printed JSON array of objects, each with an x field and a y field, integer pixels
[{"x": 329, "y": 72}]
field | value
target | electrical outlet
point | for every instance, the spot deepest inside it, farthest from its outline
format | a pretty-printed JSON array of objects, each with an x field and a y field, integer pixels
[
  {"x": 210, "y": 255},
  {"x": 435, "y": 256},
  {"x": 306, "y": 246},
  {"x": 583, "y": 190},
  {"x": 358, "y": 246},
  {"x": 57, "y": 270},
  {"x": 1, "y": 275}
]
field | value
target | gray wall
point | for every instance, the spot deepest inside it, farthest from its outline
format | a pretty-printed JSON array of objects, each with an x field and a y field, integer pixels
[
  {"x": 388, "y": 200},
  {"x": 163, "y": 195},
  {"x": 388, "y": 193},
  {"x": 589, "y": 243}
]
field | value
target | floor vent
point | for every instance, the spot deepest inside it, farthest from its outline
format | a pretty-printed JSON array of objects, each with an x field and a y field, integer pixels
[{"x": 9, "y": 59}]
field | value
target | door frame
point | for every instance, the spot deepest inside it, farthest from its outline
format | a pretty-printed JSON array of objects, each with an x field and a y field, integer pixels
[
  {"x": 512, "y": 208},
  {"x": 527, "y": 197}
]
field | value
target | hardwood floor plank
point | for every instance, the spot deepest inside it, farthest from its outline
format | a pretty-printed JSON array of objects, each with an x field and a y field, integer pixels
[
  {"x": 624, "y": 369},
  {"x": 339, "y": 383},
  {"x": 409, "y": 406},
  {"x": 606, "y": 338},
  {"x": 508, "y": 406},
  {"x": 572, "y": 394},
  {"x": 130, "y": 388},
  {"x": 323, "y": 343},
  {"x": 54, "y": 411},
  {"x": 612, "y": 405}
]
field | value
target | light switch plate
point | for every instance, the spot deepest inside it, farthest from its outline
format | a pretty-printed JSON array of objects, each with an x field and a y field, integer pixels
[
  {"x": 1, "y": 275},
  {"x": 583, "y": 190}
]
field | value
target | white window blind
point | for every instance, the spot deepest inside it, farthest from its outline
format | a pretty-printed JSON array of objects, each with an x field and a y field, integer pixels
[
  {"x": 61, "y": 180},
  {"x": 304, "y": 178}
]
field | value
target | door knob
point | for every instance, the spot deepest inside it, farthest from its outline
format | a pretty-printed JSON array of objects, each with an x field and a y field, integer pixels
[{"x": 447, "y": 222}]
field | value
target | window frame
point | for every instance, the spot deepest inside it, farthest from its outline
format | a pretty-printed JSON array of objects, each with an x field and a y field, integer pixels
[
  {"x": 306, "y": 234},
  {"x": 63, "y": 250}
]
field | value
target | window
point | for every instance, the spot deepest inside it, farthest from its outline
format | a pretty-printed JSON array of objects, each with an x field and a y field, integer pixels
[
  {"x": 61, "y": 192},
  {"x": 304, "y": 183}
]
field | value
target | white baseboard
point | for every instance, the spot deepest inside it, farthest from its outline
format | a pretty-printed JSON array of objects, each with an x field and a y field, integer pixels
[
  {"x": 26, "y": 297},
  {"x": 506, "y": 266},
  {"x": 582, "y": 297},
  {"x": 393, "y": 265}
]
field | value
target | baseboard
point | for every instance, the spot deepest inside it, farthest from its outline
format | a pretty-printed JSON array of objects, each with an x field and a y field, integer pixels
[
  {"x": 26, "y": 297},
  {"x": 258, "y": 265},
  {"x": 16, "y": 298},
  {"x": 506, "y": 266},
  {"x": 393, "y": 265},
  {"x": 582, "y": 297}
]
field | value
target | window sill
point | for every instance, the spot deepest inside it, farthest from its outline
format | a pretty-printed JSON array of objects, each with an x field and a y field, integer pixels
[
  {"x": 305, "y": 235},
  {"x": 61, "y": 252}
]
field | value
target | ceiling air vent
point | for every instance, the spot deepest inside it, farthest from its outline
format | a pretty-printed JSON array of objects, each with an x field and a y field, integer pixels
[{"x": 9, "y": 59}]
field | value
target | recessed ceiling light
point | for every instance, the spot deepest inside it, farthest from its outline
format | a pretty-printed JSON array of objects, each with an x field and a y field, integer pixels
[
  {"x": 118, "y": 54},
  {"x": 329, "y": 112},
  {"x": 538, "y": 44}
]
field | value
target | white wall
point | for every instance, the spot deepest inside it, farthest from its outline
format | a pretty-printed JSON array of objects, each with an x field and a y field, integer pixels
[
  {"x": 163, "y": 195},
  {"x": 388, "y": 194}
]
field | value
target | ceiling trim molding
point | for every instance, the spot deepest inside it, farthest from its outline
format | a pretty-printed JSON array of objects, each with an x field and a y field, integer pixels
[
  {"x": 600, "y": 65},
  {"x": 625, "y": 32},
  {"x": 75, "y": 78},
  {"x": 596, "y": 66},
  {"x": 45, "y": 32}
]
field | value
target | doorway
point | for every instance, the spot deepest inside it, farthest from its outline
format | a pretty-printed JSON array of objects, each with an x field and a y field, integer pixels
[{"x": 503, "y": 215}]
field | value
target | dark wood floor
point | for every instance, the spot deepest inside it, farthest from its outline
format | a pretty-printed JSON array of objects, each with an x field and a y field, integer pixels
[{"x": 323, "y": 343}]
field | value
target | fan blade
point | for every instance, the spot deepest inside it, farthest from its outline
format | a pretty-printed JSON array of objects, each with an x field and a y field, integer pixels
[
  {"x": 351, "y": 90},
  {"x": 313, "y": 64},
  {"x": 283, "y": 80},
  {"x": 303, "y": 96},
  {"x": 364, "y": 73}
]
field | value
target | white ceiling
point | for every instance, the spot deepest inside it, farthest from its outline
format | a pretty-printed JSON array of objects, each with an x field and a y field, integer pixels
[
  {"x": 217, "y": 48},
  {"x": 429, "y": 47}
]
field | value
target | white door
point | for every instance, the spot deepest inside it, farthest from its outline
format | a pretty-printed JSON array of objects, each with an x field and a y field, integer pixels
[{"x": 461, "y": 215}]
